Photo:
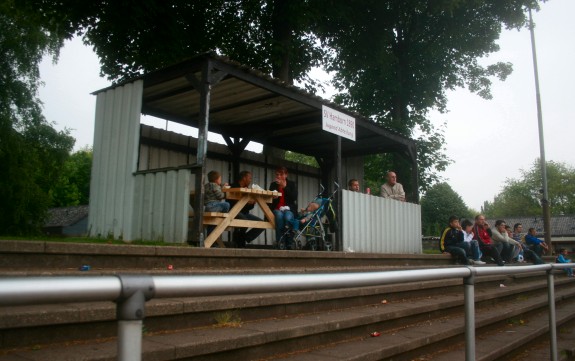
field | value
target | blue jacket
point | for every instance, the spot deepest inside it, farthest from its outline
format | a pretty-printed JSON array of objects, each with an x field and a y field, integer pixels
[{"x": 532, "y": 240}]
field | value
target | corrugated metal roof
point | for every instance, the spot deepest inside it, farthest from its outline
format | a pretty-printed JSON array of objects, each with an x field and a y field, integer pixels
[
  {"x": 246, "y": 103},
  {"x": 65, "y": 216},
  {"x": 561, "y": 226}
]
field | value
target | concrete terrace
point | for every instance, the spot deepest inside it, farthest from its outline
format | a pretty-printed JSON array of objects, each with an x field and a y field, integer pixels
[{"x": 420, "y": 320}]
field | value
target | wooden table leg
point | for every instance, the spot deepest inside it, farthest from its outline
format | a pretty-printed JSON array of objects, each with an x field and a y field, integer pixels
[
  {"x": 225, "y": 222},
  {"x": 267, "y": 211}
]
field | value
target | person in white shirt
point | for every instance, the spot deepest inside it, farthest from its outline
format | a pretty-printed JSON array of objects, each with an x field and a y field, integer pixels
[{"x": 467, "y": 228}]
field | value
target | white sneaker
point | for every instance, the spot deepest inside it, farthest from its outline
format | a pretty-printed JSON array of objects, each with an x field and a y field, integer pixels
[{"x": 478, "y": 262}]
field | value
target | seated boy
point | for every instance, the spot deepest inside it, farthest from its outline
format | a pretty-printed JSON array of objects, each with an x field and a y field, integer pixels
[
  {"x": 452, "y": 241},
  {"x": 214, "y": 198},
  {"x": 561, "y": 258},
  {"x": 467, "y": 228}
]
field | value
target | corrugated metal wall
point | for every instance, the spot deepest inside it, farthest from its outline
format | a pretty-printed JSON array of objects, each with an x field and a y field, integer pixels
[
  {"x": 116, "y": 137},
  {"x": 161, "y": 202},
  {"x": 380, "y": 225},
  {"x": 151, "y": 225}
]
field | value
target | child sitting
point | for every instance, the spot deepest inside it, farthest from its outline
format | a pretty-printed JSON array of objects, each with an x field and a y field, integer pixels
[
  {"x": 305, "y": 214},
  {"x": 452, "y": 241},
  {"x": 467, "y": 228},
  {"x": 213, "y": 195},
  {"x": 561, "y": 259}
]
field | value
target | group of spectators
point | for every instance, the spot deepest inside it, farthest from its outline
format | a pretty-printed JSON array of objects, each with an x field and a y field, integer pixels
[
  {"x": 284, "y": 207},
  {"x": 469, "y": 242},
  {"x": 390, "y": 189}
]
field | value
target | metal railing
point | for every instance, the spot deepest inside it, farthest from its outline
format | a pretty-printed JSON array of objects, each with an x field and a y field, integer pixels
[{"x": 130, "y": 292}]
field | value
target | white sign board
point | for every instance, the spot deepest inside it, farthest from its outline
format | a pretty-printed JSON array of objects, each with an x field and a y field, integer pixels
[{"x": 338, "y": 123}]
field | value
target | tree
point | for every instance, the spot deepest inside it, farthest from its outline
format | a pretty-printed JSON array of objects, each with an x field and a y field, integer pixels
[
  {"x": 437, "y": 205},
  {"x": 301, "y": 159},
  {"x": 134, "y": 36},
  {"x": 73, "y": 185},
  {"x": 392, "y": 60},
  {"x": 31, "y": 150},
  {"x": 522, "y": 197}
]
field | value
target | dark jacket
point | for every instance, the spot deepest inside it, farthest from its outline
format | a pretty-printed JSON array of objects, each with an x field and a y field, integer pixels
[
  {"x": 450, "y": 237},
  {"x": 290, "y": 194},
  {"x": 247, "y": 208}
]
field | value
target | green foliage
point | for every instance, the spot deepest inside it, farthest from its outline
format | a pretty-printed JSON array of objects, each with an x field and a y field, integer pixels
[
  {"x": 31, "y": 150},
  {"x": 30, "y": 162},
  {"x": 522, "y": 197},
  {"x": 73, "y": 185},
  {"x": 228, "y": 319},
  {"x": 392, "y": 60},
  {"x": 301, "y": 159},
  {"x": 437, "y": 205},
  {"x": 134, "y": 36}
]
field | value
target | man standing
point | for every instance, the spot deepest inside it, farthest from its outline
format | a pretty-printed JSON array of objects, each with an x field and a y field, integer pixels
[
  {"x": 392, "y": 189},
  {"x": 242, "y": 235}
]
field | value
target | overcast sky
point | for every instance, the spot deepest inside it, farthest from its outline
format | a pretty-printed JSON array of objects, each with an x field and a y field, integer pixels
[{"x": 488, "y": 140}]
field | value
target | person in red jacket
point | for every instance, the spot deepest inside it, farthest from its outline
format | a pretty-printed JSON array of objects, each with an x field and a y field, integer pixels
[{"x": 481, "y": 231}]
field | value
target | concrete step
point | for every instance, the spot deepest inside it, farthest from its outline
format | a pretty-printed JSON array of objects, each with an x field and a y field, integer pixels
[
  {"x": 497, "y": 335},
  {"x": 520, "y": 334},
  {"x": 277, "y": 323},
  {"x": 44, "y": 324},
  {"x": 24, "y": 256}
]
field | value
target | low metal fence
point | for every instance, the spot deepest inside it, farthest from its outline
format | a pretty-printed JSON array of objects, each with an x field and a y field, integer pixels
[{"x": 130, "y": 292}]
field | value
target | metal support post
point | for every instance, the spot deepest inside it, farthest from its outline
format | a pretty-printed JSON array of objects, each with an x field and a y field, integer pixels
[
  {"x": 552, "y": 319},
  {"x": 469, "y": 298},
  {"x": 130, "y": 340},
  {"x": 338, "y": 233},
  {"x": 130, "y": 311}
]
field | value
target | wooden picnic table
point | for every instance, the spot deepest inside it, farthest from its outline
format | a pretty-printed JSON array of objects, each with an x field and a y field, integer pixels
[{"x": 243, "y": 196}]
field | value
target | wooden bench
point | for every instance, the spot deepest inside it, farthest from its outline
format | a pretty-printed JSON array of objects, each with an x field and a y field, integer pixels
[
  {"x": 211, "y": 218},
  {"x": 243, "y": 196}
]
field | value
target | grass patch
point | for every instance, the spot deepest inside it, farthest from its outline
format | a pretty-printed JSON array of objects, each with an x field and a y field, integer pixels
[
  {"x": 228, "y": 319},
  {"x": 515, "y": 321},
  {"x": 431, "y": 251}
]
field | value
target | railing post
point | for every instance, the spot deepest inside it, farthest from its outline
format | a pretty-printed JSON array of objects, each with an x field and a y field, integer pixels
[
  {"x": 469, "y": 298},
  {"x": 130, "y": 312},
  {"x": 552, "y": 319}
]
